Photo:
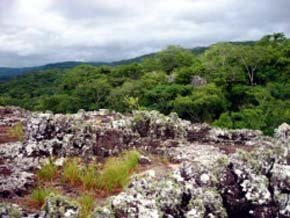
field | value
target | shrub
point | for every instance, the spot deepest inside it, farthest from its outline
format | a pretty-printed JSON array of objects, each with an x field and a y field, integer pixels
[
  {"x": 86, "y": 202},
  {"x": 39, "y": 195},
  {"x": 89, "y": 177},
  {"x": 71, "y": 172},
  {"x": 132, "y": 102},
  {"x": 17, "y": 131},
  {"x": 48, "y": 172}
]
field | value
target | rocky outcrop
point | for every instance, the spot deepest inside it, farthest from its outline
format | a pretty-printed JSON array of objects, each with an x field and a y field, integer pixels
[
  {"x": 204, "y": 181},
  {"x": 92, "y": 133}
]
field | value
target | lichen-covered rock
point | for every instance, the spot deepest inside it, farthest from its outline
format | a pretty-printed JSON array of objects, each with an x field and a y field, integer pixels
[
  {"x": 156, "y": 125},
  {"x": 206, "y": 203},
  {"x": 16, "y": 176},
  {"x": 256, "y": 189},
  {"x": 282, "y": 134},
  {"x": 58, "y": 206},
  {"x": 102, "y": 212},
  {"x": 283, "y": 202},
  {"x": 252, "y": 182},
  {"x": 10, "y": 211},
  {"x": 280, "y": 178}
]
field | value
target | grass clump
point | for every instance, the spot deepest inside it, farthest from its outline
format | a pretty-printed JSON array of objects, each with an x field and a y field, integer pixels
[
  {"x": 89, "y": 177},
  {"x": 114, "y": 175},
  {"x": 48, "y": 172},
  {"x": 17, "y": 131},
  {"x": 116, "y": 171},
  {"x": 130, "y": 159},
  {"x": 40, "y": 194},
  {"x": 71, "y": 172},
  {"x": 86, "y": 202}
]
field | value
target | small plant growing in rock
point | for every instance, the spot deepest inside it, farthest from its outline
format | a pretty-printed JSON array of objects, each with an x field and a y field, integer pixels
[
  {"x": 86, "y": 202},
  {"x": 16, "y": 131},
  {"x": 131, "y": 159},
  {"x": 71, "y": 172},
  {"x": 114, "y": 175},
  {"x": 89, "y": 177},
  {"x": 48, "y": 172},
  {"x": 39, "y": 195},
  {"x": 116, "y": 171}
]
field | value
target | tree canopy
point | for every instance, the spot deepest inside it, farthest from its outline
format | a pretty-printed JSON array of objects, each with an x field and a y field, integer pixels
[{"x": 233, "y": 85}]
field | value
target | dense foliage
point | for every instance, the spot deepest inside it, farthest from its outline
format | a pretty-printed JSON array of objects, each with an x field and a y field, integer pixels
[{"x": 234, "y": 85}]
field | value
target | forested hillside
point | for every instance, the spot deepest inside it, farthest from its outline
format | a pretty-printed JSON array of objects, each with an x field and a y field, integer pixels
[{"x": 233, "y": 85}]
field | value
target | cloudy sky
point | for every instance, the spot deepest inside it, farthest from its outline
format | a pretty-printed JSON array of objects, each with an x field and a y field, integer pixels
[{"x": 35, "y": 32}]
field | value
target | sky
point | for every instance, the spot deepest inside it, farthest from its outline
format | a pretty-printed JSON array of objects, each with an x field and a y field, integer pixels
[{"x": 37, "y": 32}]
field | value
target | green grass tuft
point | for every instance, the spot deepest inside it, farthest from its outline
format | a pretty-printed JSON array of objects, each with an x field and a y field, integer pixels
[
  {"x": 89, "y": 177},
  {"x": 48, "y": 172},
  {"x": 116, "y": 171},
  {"x": 131, "y": 159},
  {"x": 71, "y": 172},
  {"x": 86, "y": 202},
  {"x": 40, "y": 194}
]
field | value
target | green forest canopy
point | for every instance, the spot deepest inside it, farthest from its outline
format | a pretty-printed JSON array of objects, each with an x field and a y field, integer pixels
[{"x": 233, "y": 85}]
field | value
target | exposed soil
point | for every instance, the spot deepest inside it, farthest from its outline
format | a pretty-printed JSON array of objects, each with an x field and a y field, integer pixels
[{"x": 5, "y": 135}]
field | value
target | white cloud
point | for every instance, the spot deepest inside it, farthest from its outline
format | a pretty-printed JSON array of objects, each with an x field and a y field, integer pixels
[{"x": 35, "y": 32}]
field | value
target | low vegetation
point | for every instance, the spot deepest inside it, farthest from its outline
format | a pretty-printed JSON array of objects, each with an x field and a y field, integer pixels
[
  {"x": 48, "y": 172},
  {"x": 83, "y": 183},
  {"x": 90, "y": 177},
  {"x": 17, "y": 131},
  {"x": 71, "y": 172},
  {"x": 116, "y": 171},
  {"x": 39, "y": 195},
  {"x": 86, "y": 202}
]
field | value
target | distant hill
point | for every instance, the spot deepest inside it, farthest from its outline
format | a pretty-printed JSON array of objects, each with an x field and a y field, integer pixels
[{"x": 7, "y": 73}]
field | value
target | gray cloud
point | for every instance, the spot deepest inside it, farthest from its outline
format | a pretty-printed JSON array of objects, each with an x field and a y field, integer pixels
[{"x": 37, "y": 32}]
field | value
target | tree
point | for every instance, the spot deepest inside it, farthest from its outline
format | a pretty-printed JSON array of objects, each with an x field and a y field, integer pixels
[
  {"x": 252, "y": 58},
  {"x": 221, "y": 64},
  {"x": 173, "y": 57},
  {"x": 160, "y": 97},
  {"x": 205, "y": 104},
  {"x": 93, "y": 95},
  {"x": 59, "y": 104}
]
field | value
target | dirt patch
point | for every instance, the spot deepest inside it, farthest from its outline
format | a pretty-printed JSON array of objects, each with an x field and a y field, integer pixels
[{"x": 5, "y": 135}]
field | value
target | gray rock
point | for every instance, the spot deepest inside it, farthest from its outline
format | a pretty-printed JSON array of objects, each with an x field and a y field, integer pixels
[
  {"x": 58, "y": 206},
  {"x": 144, "y": 160}
]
